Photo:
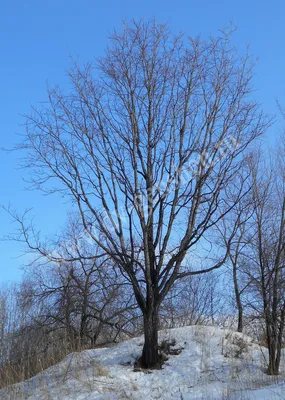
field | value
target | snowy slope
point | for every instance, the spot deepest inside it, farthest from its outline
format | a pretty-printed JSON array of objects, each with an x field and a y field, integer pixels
[{"x": 213, "y": 364}]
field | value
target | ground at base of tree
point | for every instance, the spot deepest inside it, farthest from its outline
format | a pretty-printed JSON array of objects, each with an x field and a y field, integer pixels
[{"x": 210, "y": 363}]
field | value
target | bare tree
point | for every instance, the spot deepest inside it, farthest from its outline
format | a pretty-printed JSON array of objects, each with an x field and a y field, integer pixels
[
  {"x": 147, "y": 144},
  {"x": 85, "y": 297},
  {"x": 238, "y": 225},
  {"x": 195, "y": 300},
  {"x": 92, "y": 304},
  {"x": 265, "y": 253}
]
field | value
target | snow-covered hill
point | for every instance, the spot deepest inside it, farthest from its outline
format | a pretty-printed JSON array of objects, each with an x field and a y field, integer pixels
[{"x": 213, "y": 364}]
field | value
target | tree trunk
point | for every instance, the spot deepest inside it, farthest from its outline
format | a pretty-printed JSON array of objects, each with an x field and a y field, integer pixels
[
  {"x": 150, "y": 356},
  {"x": 238, "y": 299},
  {"x": 240, "y": 319},
  {"x": 274, "y": 362},
  {"x": 274, "y": 340},
  {"x": 83, "y": 330}
]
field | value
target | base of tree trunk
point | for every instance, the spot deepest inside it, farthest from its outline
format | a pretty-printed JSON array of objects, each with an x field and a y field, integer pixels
[
  {"x": 272, "y": 370},
  {"x": 140, "y": 365},
  {"x": 150, "y": 355}
]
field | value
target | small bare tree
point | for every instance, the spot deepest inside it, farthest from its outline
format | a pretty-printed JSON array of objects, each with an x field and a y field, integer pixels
[
  {"x": 146, "y": 145},
  {"x": 195, "y": 300},
  {"x": 80, "y": 291},
  {"x": 86, "y": 300},
  {"x": 237, "y": 226}
]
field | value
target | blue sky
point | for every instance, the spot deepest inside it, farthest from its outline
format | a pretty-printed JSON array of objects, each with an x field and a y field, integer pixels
[{"x": 38, "y": 38}]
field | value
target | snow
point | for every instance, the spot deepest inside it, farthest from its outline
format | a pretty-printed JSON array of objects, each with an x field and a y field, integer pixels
[{"x": 213, "y": 364}]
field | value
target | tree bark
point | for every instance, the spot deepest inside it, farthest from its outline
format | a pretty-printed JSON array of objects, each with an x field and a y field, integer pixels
[
  {"x": 274, "y": 360},
  {"x": 274, "y": 339},
  {"x": 238, "y": 302},
  {"x": 150, "y": 356},
  {"x": 237, "y": 294}
]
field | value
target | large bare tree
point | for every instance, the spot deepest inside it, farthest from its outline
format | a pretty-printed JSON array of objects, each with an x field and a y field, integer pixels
[{"x": 146, "y": 144}]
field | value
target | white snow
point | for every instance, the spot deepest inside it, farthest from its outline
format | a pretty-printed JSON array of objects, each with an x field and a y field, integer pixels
[{"x": 213, "y": 364}]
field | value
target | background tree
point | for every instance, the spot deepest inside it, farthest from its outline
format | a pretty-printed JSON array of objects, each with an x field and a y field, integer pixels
[
  {"x": 80, "y": 291},
  {"x": 265, "y": 253},
  {"x": 146, "y": 145},
  {"x": 195, "y": 300},
  {"x": 88, "y": 302},
  {"x": 61, "y": 307},
  {"x": 237, "y": 226}
]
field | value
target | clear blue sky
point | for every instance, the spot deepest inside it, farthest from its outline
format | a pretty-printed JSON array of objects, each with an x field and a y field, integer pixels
[{"x": 37, "y": 38}]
